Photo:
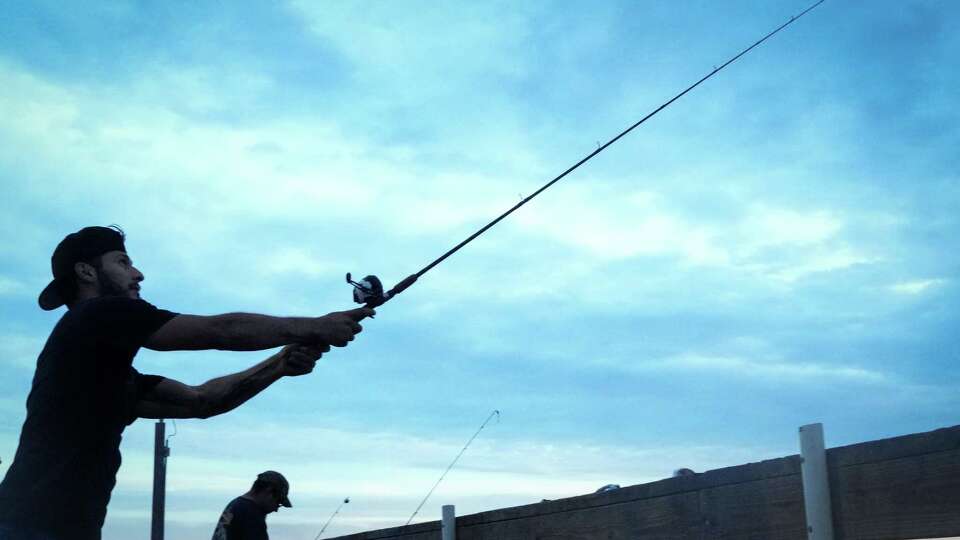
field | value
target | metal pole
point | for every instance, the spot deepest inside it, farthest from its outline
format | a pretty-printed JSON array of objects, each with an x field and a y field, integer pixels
[
  {"x": 448, "y": 526},
  {"x": 160, "y": 453},
  {"x": 816, "y": 485}
]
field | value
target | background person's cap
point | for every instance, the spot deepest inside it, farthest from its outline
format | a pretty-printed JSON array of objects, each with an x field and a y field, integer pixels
[
  {"x": 83, "y": 245},
  {"x": 277, "y": 479}
]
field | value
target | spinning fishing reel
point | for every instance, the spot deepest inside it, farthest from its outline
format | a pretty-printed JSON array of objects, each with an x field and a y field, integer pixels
[{"x": 369, "y": 290}]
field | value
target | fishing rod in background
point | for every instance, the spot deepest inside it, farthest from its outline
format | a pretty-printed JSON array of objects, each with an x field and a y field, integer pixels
[
  {"x": 369, "y": 290},
  {"x": 494, "y": 413},
  {"x": 333, "y": 515},
  {"x": 452, "y": 463}
]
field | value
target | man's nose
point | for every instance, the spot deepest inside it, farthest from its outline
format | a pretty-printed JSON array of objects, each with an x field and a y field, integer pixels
[{"x": 137, "y": 275}]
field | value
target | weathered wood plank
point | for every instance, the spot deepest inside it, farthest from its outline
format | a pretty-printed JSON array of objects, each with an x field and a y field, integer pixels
[
  {"x": 770, "y": 509},
  {"x": 897, "y": 447},
  {"x": 674, "y": 517},
  {"x": 428, "y": 530},
  {"x": 773, "y": 468},
  {"x": 910, "y": 497}
]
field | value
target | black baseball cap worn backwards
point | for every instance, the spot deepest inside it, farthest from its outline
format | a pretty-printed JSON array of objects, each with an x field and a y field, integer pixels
[{"x": 81, "y": 246}]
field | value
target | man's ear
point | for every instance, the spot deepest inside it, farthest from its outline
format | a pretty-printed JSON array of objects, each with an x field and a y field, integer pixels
[{"x": 85, "y": 272}]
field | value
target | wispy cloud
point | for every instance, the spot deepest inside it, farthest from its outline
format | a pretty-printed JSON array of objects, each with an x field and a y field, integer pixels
[
  {"x": 20, "y": 350},
  {"x": 763, "y": 369},
  {"x": 10, "y": 286},
  {"x": 916, "y": 287}
]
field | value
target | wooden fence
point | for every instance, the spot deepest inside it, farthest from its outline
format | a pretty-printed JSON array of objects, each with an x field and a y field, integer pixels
[{"x": 892, "y": 489}]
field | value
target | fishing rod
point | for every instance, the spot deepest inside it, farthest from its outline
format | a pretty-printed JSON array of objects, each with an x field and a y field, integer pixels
[
  {"x": 335, "y": 512},
  {"x": 369, "y": 290},
  {"x": 452, "y": 463}
]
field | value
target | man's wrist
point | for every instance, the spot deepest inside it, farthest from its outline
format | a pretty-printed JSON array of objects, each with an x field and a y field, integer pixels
[
  {"x": 277, "y": 365},
  {"x": 299, "y": 330}
]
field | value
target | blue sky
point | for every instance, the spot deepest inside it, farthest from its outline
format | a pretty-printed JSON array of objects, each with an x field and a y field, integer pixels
[{"x": 776, "y": 248}]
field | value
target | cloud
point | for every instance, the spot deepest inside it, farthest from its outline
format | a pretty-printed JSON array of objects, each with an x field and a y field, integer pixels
[
  {"x": 820, "y": 261},
  {"x": 20, "y": 350},
  {"x": 207, "y": 177},
  {"x": 778, "y": 226},
  {"x": 916, "y": 287},
  {"x": 130, "y": 134},
  {"x": 765, "y": 369},
  {"x": 11, "y": 287},
  {"x": 434, "y": 49},
  {"x": 292, "y": 261},
  {"x": 781, "y": 244},
  {"x": 615, "y": 224}
]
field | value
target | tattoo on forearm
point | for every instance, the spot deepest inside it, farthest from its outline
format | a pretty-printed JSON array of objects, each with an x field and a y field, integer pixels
[{"x": 242, "y": 388}]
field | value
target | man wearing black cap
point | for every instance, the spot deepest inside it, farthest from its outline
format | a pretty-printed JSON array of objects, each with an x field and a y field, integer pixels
[
  {"x": 245, "y": 518},
  {"x": 85, "y": 390}
]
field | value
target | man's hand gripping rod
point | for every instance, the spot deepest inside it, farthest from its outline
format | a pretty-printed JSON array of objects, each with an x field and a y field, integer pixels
[{"x": 369, "y": 291}]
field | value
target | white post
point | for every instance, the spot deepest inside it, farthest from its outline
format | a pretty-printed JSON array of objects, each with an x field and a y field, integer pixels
[
  {"x": 816, "y": 486},
  {"x": 448, "y": 527}
]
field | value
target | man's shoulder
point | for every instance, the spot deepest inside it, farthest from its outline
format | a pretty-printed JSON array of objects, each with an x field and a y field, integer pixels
[
  {"x": 116, "y": 309},
  {"x": 243, "y": 504},
  {"x": 245, "y": 513},
  {"x": 91, "y": 312},
  {"x": 130, "y": 320}
]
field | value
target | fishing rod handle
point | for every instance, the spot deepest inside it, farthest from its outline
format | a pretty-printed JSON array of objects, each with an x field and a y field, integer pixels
[{"x": 397, "y": 289}]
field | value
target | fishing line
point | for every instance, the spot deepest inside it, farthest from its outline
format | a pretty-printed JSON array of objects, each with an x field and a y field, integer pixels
[
  {"x": 370, "y": 291},
  {"x": 452, "y": 463}
]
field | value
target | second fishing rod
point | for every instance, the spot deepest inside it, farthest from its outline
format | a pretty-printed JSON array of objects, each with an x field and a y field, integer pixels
[{"x": 370, "y": 291}]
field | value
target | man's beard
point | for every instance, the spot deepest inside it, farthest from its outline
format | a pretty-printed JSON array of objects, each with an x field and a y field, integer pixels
[{"x": 108, "y": 287}]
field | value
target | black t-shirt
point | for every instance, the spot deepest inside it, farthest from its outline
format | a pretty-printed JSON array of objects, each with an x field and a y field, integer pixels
[
  {"x": 242, "y": 519},
  {"x": 83, "y": 396}
]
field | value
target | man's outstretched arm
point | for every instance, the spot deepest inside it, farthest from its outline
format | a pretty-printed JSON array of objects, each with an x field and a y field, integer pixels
[
  {"x": 174, "y": 399},
  {"x": 252, "y": 332}
]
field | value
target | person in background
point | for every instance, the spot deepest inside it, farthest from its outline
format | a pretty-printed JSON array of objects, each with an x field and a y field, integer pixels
[{"x": 245, "y": 518}]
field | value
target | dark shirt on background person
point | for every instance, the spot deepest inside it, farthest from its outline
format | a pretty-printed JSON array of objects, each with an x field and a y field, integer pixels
[
  {"x": 242, "y": 519},
  {"x": 245, "y": 518}
]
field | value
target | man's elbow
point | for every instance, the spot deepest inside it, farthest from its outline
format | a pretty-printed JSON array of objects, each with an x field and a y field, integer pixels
[
  {"x": 209, "y": 408},
  {"x": 202, "y": 403}
]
